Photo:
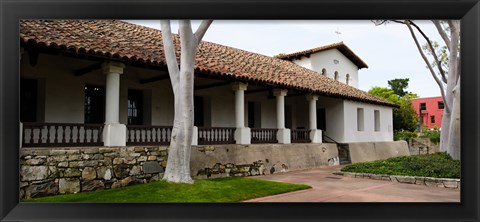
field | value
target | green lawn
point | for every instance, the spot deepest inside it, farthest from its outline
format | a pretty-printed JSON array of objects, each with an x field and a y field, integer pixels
[
  {"x": 231, "y": 189},
  {"x": 438, "y": 165}
]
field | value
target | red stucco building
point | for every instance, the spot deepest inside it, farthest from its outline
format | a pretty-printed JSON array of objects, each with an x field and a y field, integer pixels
[{"x": 430, "y": 111}]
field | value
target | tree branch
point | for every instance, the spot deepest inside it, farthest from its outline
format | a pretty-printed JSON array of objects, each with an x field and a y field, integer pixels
[
  {"x": 202, "y": 29},
  {"x": 435, "y": 57},
  {"x": 442, "y": 90},
  {"x": 442, "y": 33},
  {"x": 170, "y": 55}
]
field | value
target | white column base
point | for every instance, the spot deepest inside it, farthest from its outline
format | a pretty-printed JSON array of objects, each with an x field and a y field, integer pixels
[
  {"x": 115, "y": 134},
  {"x": 195, "y": 136},
  {"x": 316, "y": 136},
  {"x": 242, "y": 135},
  {"x": 283, "y": 136}
]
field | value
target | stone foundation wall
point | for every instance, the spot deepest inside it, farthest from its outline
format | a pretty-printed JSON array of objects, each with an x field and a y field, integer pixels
[
  {"x": 370, "y": 151},
  {"x": 259, "y": 159},
  {"x": 52, "y": 171}
]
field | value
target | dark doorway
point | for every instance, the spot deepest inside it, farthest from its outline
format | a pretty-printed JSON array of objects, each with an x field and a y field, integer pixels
[
  {"x": 198, "y": 111},
  {"x": 321, "y": 119},
  {"x": 94, "y": 104},
  {"x": 251, "y": 114},
  {"x": 135, "y": 107},
  {"x": 28, "y": 100}
]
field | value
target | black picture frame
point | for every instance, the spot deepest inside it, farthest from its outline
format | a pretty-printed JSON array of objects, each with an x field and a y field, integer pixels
[{"x": 11, "y": 11}]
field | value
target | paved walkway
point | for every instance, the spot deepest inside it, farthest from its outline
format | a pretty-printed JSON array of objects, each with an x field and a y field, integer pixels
[{"x": 327, "y": 187}]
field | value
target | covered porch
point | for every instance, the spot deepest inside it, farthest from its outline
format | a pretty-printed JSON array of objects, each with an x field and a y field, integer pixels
[{"x": 73, "y": 102}]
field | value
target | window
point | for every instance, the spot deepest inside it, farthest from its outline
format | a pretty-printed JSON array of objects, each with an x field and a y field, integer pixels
[
  {"x": 432, "y": 119},
  {"x": 135, "y": 107},
  {"x": 336, "y": 75},
  {"x": 324, "y": 72},
  {"x": 347, "y": 79},
  {"x": 94, "y": 104},
  {"x": 441, "y": 105},
  {"x": 28, "y": 100},
  {"x": 423, "y": 106},
  {"x": 360, "y": 119},
  {"x": 376, "y": 114},
  {"x": 198, "y": 111}
]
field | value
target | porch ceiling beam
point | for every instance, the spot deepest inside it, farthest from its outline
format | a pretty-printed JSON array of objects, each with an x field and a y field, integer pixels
[
  {"x": 256, "y": 90},
  {"x": 154, "y": 79},
  {"x": 207, "y": 86},
  {"x": 87, "y": 69}
]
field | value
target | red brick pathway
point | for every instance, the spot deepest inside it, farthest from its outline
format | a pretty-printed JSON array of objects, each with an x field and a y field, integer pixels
[{"x": 327, "y": 187}]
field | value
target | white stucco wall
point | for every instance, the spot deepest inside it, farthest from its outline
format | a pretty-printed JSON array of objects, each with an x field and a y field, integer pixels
[
  {"x": 334, "y": 112},
  {"x": 324, "y": 59},
  {"x": 369, "y": 133}
]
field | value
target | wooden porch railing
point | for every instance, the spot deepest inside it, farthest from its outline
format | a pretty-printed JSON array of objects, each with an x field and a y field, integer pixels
[
  {"x": 263, "y": 135},
  {"x": 216, "y": 135},
  {"x": 61, "y": 134},
  {"x": 148, "y": 135},
  {"x": 300, "y": 136}
]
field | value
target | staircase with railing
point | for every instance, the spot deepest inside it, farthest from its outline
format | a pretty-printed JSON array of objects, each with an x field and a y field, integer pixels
[{"x": 343, "y": 150}]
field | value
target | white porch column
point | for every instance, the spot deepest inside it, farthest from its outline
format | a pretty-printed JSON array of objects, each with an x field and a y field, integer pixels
[
  {"x": 315, "y": 134},
  {"x": 242, "y": 133},
  {"x": 283, "y": 134},
  {"x": 114, "y": 133}
]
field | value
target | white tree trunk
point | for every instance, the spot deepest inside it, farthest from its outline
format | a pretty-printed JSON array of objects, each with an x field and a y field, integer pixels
[
  {"x": 178, "y": 163},
  {"x": 454, "y": 145},
  {"x": 453, "y": 77}
]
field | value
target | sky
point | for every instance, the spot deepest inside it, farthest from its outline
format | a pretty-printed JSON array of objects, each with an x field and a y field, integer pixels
[{"x": 388, "y": 50}]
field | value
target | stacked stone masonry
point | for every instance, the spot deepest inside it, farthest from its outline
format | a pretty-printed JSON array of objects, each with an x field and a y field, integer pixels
[
  {"x": 46, "y": 172},
  {"x": 52, "y": 171},
  {"x": 426, "y": 181}
]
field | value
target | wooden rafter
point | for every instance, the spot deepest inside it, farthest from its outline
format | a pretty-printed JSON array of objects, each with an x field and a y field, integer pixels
[{"x": 87, "y": 69}]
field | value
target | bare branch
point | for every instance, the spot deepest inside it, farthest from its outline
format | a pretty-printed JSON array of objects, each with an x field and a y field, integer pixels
[
  {"x": 170, "y": 55},
  {"x": 442, "y": 33},
  {"x": 202, "y": 29},
  {"x": 442, "y": 90}
]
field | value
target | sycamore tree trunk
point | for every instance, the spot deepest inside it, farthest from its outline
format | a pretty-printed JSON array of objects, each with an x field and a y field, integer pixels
[
  {"x": 450, "y": 132},
  {"x": 178, "y": 163},
  {"x": 454, "y": 145},
  {"x": 450, "y": 140}
]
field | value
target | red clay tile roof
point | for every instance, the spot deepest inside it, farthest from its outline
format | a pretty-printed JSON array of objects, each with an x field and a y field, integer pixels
[
  {"x": 124, "y": 41},
  {"x": 340, "y": 46}
]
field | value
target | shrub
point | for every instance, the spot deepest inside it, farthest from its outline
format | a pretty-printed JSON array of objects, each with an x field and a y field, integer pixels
[
  {"x": 404, "y": 135},
  {"x": 440, "y": 165},
  {"x": 433, "y": 134}
]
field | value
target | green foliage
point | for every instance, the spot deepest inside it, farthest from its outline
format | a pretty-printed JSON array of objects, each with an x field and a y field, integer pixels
[
  {"x": 404, "y": 135},
  {"x": 398, "y": 86},
  {"x": 385, "y": 93},
  {"x": 230, "y": 189},
  {"x": 439, "y": 165},
  {"x": 433, "y": 134},
  {"x": 404, "y": 118}
]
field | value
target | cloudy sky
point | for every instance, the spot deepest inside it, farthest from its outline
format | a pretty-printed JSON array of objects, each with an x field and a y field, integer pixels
[{"x": 388, "y": 50}]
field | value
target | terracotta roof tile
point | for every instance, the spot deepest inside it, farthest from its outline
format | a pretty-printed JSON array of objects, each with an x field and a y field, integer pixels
[{"x": 125, "y": 41}]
